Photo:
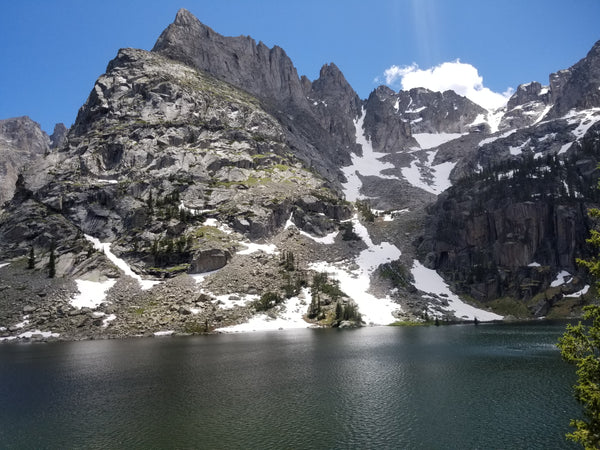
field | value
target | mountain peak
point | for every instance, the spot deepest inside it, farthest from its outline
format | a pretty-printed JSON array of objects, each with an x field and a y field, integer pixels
[
  {"x": 261, "y": 71},
  {"x": 184, "y": 17}
]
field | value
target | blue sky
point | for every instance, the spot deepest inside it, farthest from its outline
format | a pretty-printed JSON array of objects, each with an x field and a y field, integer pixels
[{"x": 53, "y": 51}]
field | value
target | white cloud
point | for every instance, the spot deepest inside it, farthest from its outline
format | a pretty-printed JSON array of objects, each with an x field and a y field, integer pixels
[{"x": 464, "y": 79}]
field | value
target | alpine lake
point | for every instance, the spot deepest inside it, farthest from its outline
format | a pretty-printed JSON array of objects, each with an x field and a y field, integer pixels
[{"x": 490, "y": 386}]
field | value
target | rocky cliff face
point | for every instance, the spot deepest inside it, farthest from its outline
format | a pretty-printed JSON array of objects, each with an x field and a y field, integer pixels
[
  {"x": 518, "y": 215},
  {"x": 317, "y": 133},
  {"x": 21, "y": 143}
]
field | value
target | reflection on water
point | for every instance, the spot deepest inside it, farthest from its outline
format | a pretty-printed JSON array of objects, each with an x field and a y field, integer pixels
[{"x": 490, "y": 386}]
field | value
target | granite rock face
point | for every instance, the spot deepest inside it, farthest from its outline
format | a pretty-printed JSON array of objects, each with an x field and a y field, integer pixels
[
  {"x": 22, "y": 142},
  {"x": 517, "y": 214},
  {"x": 317, "y": 133}
]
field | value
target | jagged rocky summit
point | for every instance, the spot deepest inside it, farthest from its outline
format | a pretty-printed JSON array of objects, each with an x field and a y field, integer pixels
[{"x": 206, "y": 186}]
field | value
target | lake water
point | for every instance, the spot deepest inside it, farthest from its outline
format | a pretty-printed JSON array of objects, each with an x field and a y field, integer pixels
[{"x": 464, "y": 387}]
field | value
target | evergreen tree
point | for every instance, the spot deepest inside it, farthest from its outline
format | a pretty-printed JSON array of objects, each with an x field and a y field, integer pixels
[
  {"x": 52, "y": 263},
  {"x": 339, "y": 311},
  {"x": 151, "y": 203},
  {"x": 31, "y": 259},
  {"x": 580, "y": 346}
]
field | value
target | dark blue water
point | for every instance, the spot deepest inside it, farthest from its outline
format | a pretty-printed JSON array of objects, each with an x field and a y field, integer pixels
[{"x": 463, "y": 387}]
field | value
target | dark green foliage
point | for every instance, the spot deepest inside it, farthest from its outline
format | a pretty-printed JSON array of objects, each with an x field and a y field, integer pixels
[
  {"x": 322, "y": 286},
  {"x": 339, "y": 311},
  {"x": 332, "y": 289},
  {"x": 150, "y": 203},
  {"x": 52, "y": 262},
  {"x": 319, "y": 279},
  {"x": 580, "y": 346},
  {"x": 396, "y": 273},
  {"x": 346, "y": 312},
  {"x": 351, "y": 313},
  {"x": 314, "y": 310},
  {"x": 170, "y": 251},
  {"x": 521, "y": 179},
  {"x": 364, "y": 208},
  {"x": 31, "y": 259},
  {"x": 348, "y": 234},
  {"x": 267, "y": 301},
  {"x": 287, "y": 260}
]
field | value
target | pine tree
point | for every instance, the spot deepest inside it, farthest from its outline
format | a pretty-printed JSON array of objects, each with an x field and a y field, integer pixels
[
  {"x": 31, "y": 259},
  {"x": 339, "y": 311},
  {"x": 580, "y": 346},
  {"x": 150, "y": 203},
  {"x": 52, "y": 263}
]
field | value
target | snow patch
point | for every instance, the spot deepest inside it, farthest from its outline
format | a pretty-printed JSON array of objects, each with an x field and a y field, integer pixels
[
  {"x": 515, "y": 151},
  {"x": 120, "y": 263},
  {"x": 493, "y": 119},
  {"x": 495, "y": 138},
  {"x": 441, "y": 175},
  {"x": 91, "y": 293},
  {"x": 30, "y": 334},
  {"x": 252, "y": 248},
  {"x": 542, "y": 114},
  {"x": 584, "y": 119},
  {"x": 534, "y": 264},
  {"x": 200, "y": 277},
  {"x": 356, "y": 282},
  {"x": 366, "y": 165},
  {"x": 432, "y": 140},
  {"x": 561, "y": 279},
  {"x": 327, "y": 240},
  {"x": 429, "y": 281},
  {"x": 210, "y": 222},
  {"x": 106, "y": 181},
  {"x": 290, "y": 315},
  {"x": 564, "y": 148},
  {"x": 22, "y": 324},
  {"x": 163, "y": 333},
  {"x": 3, "y": 265},
  {"x": 584, "y": 291}
]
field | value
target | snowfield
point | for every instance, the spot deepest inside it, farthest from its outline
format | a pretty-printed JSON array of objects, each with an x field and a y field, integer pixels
[
  {"x": 356, "y": 282},
  {"x": 366, "y": 165},
  {"x": 430, "y": 282}
]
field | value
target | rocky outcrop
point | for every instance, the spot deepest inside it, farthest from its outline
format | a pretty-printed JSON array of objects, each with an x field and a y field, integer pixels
[
  {"x": 508, "y": 232},
  {"x": 265, "y": 72},
  {"x": 392, "y": 118},
  {"x": 319, "y": 135},
  {"x": 578, "y": 87},
  {"x": 157, "y": 149},
  {"x": 22, "y": 142},
  {"x": 59, "y": 136}
]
